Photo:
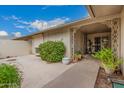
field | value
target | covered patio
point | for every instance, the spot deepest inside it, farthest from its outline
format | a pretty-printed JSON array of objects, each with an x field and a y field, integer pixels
[{"x": 91, "y": 36}]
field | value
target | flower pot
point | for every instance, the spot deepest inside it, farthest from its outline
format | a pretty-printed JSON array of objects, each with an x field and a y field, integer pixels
[
  {"x": 108, "y": 71},
  {"x": 66, "y": 60},
  {"x": 79, "y": 57},
  {"x": 75, "y": 60}
]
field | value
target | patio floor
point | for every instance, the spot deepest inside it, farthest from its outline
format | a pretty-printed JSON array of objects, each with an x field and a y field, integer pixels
[
  {"x": 37, "y": 74},
  {"x": 82, "y": 75}
]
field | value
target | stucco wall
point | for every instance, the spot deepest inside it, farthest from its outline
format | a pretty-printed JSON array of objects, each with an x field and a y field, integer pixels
[
  {"x": 122, "y": 37},
  {"x": 14, "y": 48},
  {"x": 36, "y": 41},
  {"x": 79, "y": 41},
  {"x": 59, "y": 35}
]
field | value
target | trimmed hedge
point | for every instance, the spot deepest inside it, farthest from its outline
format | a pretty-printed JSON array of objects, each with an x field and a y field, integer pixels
[{"x": 52, "y": 51}]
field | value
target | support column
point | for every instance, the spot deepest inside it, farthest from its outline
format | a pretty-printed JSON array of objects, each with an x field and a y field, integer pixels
[
  {"x": 115, "y": 34},
  {"x": 73, "y": 40}
]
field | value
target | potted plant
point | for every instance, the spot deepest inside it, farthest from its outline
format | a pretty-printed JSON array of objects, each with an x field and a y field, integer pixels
[
  {"x": 66, "y": 60},
  {"x": 77, "y": 56},
  {"x": 111, "y": 65},
  {"x": 109, "y": 61}
]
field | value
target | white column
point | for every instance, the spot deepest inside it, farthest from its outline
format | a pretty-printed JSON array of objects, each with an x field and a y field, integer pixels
[
  {"x": 115, "y": 34},
  {"x": 73, "y": 40}
]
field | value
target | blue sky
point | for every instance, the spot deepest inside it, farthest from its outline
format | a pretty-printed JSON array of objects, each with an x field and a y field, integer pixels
[{"x": 23, "y": 20}]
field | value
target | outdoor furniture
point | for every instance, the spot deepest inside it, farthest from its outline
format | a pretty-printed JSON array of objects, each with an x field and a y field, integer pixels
[{"x": 117, "y": 83}]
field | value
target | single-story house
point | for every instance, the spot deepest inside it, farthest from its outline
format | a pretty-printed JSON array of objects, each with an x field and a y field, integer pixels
[{"x": 103, "y": 28}]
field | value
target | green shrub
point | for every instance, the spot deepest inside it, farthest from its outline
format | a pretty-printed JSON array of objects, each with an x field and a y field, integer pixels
[
  {"x": 9, "y": 76},
  {"x": 108, "y": 59},
  {"x": 52, "y": 51}
]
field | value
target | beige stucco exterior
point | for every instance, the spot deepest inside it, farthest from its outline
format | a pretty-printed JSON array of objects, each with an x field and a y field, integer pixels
[
  {"x": 60, "y": 35},
  {"x": 14, "y": 48},
  {"x": 36, "y": 41},
  {"x": 79, "y": 41},
  {"x": 55, "y": 35}
]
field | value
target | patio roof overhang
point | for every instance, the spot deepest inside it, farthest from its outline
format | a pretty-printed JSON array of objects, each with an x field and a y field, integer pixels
[
  {"x": 103, "y": 10},
  {"x": 94, "y": 28}
]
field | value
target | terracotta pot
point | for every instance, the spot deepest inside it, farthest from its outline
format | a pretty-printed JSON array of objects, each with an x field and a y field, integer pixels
[
  {"x": 108, "y": 71},
  {"x": 79, "y": 57},
  {"x": 75, "y": 59}
]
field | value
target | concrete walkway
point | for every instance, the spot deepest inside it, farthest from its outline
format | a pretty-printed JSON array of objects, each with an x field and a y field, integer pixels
[
  {"x": 82, "y": 75},
  {"x": 38, "y": 74},
  {"x": 35, "y": 72}
]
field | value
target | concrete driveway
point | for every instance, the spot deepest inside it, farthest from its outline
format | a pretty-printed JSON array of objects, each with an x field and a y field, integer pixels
[{"x": 37, "y": 73}]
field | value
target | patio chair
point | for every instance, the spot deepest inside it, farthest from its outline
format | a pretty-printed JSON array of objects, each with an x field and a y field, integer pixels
[{"x": 117, "y": 83}]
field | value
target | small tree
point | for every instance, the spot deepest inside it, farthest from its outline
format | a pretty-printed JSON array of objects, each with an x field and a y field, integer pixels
[{"x": 52, "y": 51}]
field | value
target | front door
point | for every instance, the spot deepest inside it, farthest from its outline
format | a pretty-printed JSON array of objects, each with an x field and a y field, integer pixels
[
  {"x": 97, "y": 44},
  {"x": 97, "y": 41}
]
